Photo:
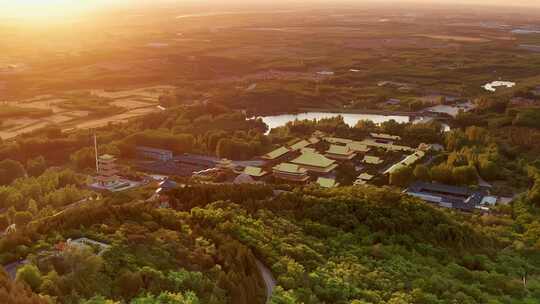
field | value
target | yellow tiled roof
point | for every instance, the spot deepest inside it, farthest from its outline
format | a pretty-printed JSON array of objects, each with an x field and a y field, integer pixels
[
  {"x": 339, "y": 150},
  {"x": 254, "y": 171},
  {"x": 277, "y": 153},
  {"x": 373, "y": 160},
  {"x": 290, "y": 168},
  {"x": 299, "y": 145},
  {"x": 327, "y": 182},
  {"x": 314, "y": 160}
]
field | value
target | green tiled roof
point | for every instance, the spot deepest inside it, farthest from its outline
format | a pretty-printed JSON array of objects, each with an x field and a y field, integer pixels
[
  {"x": 358, "y": 147},
  {"x": 299, "y": 145},
  {"x": 290, "y": 168},
  {"x": 254, "y": 171},
  {"x": 327, "y": 182},
  {"x": 313, "y": 160},
  {"x": 277, "y": 153},
  {"x": 339, "y": 150}
]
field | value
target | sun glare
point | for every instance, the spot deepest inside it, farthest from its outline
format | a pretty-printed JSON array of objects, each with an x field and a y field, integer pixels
[{"x": 39, "y": 9}]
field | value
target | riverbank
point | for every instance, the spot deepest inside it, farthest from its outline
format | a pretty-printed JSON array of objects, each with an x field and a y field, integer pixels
[{"x": 374, "y": 112}]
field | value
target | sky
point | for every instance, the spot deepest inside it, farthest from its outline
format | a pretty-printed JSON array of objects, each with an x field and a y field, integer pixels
[{"x": 48, "y": 8}]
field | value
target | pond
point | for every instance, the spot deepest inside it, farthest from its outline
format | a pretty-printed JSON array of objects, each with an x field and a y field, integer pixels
[{"x": 492, "y": 86}]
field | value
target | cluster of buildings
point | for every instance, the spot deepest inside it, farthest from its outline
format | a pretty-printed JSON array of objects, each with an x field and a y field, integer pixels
[
  {"x": 312, "y": 160},
  {"x": 317, "y": 158}
]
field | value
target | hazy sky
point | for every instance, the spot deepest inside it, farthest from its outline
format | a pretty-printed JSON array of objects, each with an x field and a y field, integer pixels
[{"x": 66, "y": 7}]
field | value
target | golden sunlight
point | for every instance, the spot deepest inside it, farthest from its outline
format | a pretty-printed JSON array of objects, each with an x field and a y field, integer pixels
[{"x": 39, "y": 9}]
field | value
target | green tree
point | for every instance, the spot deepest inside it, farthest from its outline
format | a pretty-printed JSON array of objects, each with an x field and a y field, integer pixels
[
  {"x": 464, "y": 175},
  {"x": 168, "y": 298},
  {"x": 36, "y": 166},
  {"x": 421, "y": 172},
  {"x": 10, "y": 170},
  {"x": 30, "y": 275},
  {"x": 402, "y": 176}
]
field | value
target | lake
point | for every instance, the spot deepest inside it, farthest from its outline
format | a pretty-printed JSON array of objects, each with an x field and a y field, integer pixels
[{"x": 275, "y": 121}]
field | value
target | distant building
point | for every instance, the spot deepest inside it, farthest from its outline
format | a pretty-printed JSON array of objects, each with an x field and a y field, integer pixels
[
  {"x": 387, "y": 145},
  {"x": 358, "y": 147},
  {"x": 300, "y": 145},
  {"x": 255, "y": 172},
  {"x": 290, "y": 172},
  {"x": 407, "y": 162},
  {"x": 276, "y": 154},
  {"x": 315, "y": 163},
  {"x": 363, "y": 178},
  {"x": 152, "y": 153},
  {"x": 385, "y": 136},
  {"x": 337, "y": 140},
  {"x": 461, "y": 198},
  {"x": 225, "y": 165},
  {"x": 340, "y": 153},
  {"x": 244, "y": 179},
  {"x": 327, "y": 182},
  {"x": 372, "y": 160}
]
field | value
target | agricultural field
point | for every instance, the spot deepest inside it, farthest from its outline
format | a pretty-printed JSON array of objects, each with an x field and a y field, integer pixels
[{"x": 78, "y": 110}]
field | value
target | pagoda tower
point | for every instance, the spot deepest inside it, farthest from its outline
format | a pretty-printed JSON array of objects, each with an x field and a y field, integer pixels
[{"x": 107, "y": 170}]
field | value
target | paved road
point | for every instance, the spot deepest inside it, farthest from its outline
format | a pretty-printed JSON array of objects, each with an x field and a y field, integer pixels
[
  {"x": 268, "y": 278},
  {"x": 11, "y": 269}
]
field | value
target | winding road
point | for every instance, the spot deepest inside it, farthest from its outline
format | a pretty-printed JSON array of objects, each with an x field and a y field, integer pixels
[{"x": 269, "y": 280}]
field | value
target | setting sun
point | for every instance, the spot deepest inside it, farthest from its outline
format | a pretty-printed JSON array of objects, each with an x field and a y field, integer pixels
[{"x": 36, "y": 9}]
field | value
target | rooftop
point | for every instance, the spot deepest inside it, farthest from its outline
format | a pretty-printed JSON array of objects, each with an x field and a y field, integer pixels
[
  {"x": 337, "y": 140},
  {"x": 290, "y": 168},
  {"x": 313, "y": 160},
  {"x": 327, "y": 182},
  {"x": 340, "y": 150},
  {"x": 106, "y": 157},
  {"x": 385, "y": 136},
  {"x": 358, "y": 147},
  {"x": 254, "y": 171},
  {"x": 372, "y": 160},
  {"x": 299, "y": 145},
  {"x": 277, "y": 153},
  {"x": 408, "y": 161},
  {"x": 365, "y": 177}
]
